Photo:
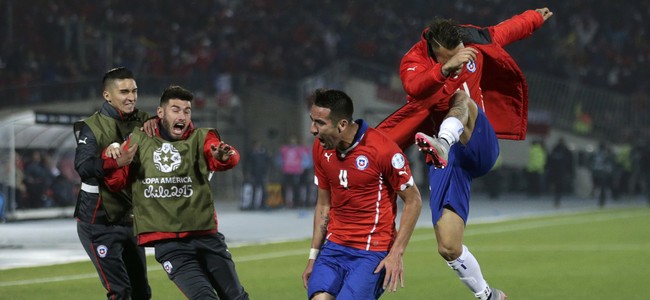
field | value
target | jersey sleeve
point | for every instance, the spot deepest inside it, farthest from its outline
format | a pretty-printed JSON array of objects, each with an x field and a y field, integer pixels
[
  {"x": 86, "y": 161},
  {"x": 319, "y": 174},
  {"x": 516, "y": 28},
  {"x": 420, "y": 77},
  {"x": 396, "y": 167}
]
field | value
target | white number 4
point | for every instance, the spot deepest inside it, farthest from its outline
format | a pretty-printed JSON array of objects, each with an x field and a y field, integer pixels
[{"x": 343, "y": 178}]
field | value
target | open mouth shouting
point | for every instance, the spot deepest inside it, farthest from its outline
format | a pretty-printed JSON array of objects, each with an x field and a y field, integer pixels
[{"x": 178, "y": 128}]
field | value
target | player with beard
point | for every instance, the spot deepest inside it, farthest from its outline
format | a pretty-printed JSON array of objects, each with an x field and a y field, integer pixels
[
  {"x": 173, "y": 204},
  {"x": 356, "y": 251}
]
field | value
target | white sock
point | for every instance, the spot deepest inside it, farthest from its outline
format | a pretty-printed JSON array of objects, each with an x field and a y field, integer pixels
[
  {"x": 450, "y": 130},
  {"x": 469, "y": 272}
]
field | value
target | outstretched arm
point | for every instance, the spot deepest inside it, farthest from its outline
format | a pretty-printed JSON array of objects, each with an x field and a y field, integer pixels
[
  {"x": 520, "y": 26},
  {"x": 219, "y": 155}
]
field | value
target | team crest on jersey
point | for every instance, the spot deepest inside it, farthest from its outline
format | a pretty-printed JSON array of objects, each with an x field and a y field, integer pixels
[
  {"x": 362, "y": 162},
  {"x": 398, "y": 161},
  {"x": 102, "y": 250},
  {"x": 167, "y": 265},
  {"x": 166, "y": 158},
  {"x": 471, "y": 66}
]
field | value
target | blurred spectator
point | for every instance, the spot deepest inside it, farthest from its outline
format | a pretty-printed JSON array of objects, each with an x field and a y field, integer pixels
[
  {"x": 308, "y": 190},
  {"x": 37, "y": 180},
  {"x": 560, "y": 170},
  {"x": 583, "y": 123},
  {"x": 535, "y": 168},
  {"x": 644, "y": 164},
  {"x": 65, "y": 186},
  {"x": 602, "y": 167},
  {"x": 12, "y": 189},
  {"x": 622, "y": 170},
  {"x": 635, "y": 183},
  {"x": 257, "y": 166},
  {"x": 292, "y": 167}
]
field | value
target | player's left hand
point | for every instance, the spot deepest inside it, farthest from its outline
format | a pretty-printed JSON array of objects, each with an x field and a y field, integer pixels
[
  {"x": 394, "y": 271},
  {"x": 222, "y": 152}
]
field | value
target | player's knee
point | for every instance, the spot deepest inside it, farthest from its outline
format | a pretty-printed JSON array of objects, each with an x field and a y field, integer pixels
[
  {"x": 449, "y": 253},
  {"x": 322, "y": 296}
]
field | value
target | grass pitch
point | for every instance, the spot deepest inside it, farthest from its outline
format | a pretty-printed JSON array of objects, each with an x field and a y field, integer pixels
[{"x": 602, "y": 254}]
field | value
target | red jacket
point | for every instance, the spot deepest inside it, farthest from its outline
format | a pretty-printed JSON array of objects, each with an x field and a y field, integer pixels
[{"x": 494, "y": 81}]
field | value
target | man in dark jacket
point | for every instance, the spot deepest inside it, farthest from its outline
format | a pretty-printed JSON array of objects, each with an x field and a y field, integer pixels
[{"x": 104, "y": 222}]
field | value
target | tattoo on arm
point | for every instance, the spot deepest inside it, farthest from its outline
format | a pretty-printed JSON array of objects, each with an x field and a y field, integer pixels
[{"x": 323, "y": 226}]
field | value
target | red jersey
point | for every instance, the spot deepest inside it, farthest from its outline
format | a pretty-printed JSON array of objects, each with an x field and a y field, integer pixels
[
  {"x": 502, "y": 93},
  {"x": 363, "y": 183}
]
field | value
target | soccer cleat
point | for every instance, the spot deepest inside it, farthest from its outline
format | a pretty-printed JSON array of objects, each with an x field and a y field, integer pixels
[
  {"x": 497, "y": 295},
  {"x": 434, "y": 147}
]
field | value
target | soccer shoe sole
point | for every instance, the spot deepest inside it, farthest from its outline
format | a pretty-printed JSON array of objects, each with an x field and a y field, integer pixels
[{"x": 433, "y": 148}]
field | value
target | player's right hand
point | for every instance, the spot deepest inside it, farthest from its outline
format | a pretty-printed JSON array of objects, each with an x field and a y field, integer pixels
[
  {"x": 455, "y": 64},
  {"x": 307, "y": 272}
]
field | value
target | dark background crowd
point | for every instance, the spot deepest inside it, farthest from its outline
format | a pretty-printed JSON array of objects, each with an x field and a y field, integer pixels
[
  {"x": 48, "y": 43},
  {"x": 43, "y": 42}
]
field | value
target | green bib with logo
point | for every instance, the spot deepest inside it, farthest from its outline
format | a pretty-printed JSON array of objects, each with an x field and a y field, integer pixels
[
  {"x": 170, "y": 184},
  {"x": 108, "y": 130}
]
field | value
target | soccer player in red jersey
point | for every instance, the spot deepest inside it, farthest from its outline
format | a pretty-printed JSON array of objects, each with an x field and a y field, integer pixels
[
  {"x": 457, "y": 78},
  {"x": 356, "y": 249}
]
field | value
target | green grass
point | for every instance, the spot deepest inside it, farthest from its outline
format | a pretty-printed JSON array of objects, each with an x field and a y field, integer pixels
[{"x": 602, "y": 254}]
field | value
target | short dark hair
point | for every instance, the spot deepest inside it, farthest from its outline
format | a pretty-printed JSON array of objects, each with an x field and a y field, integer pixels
[
  {"x": 175, "y": 92},
  {"x": 339, "y": 103},
  {"x": 445, "y": 33},
  {"x": 116, "y": 73}
]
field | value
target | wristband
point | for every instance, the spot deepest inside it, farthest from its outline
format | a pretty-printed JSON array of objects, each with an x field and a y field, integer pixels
[{"x": 313, "y": 253}]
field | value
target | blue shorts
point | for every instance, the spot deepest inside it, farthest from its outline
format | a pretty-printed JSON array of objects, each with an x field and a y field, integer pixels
[
  {"x": 347, "y": 273},
  {"x": 450, "y": 187}
]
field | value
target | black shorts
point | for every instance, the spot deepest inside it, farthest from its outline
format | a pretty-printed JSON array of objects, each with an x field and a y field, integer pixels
[{"x": 201, "y": 267}]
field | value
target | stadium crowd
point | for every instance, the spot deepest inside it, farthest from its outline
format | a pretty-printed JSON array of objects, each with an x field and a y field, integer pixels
[{"x": 48, "y": 42}]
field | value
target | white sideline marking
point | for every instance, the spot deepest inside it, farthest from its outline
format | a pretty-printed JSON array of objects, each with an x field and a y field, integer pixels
[
  {"x": 533, "y": 224},
  {"x": 154, "y": 268},
  {"x": 564, "y": 220},
  {"x": 48, "y": 279}
]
